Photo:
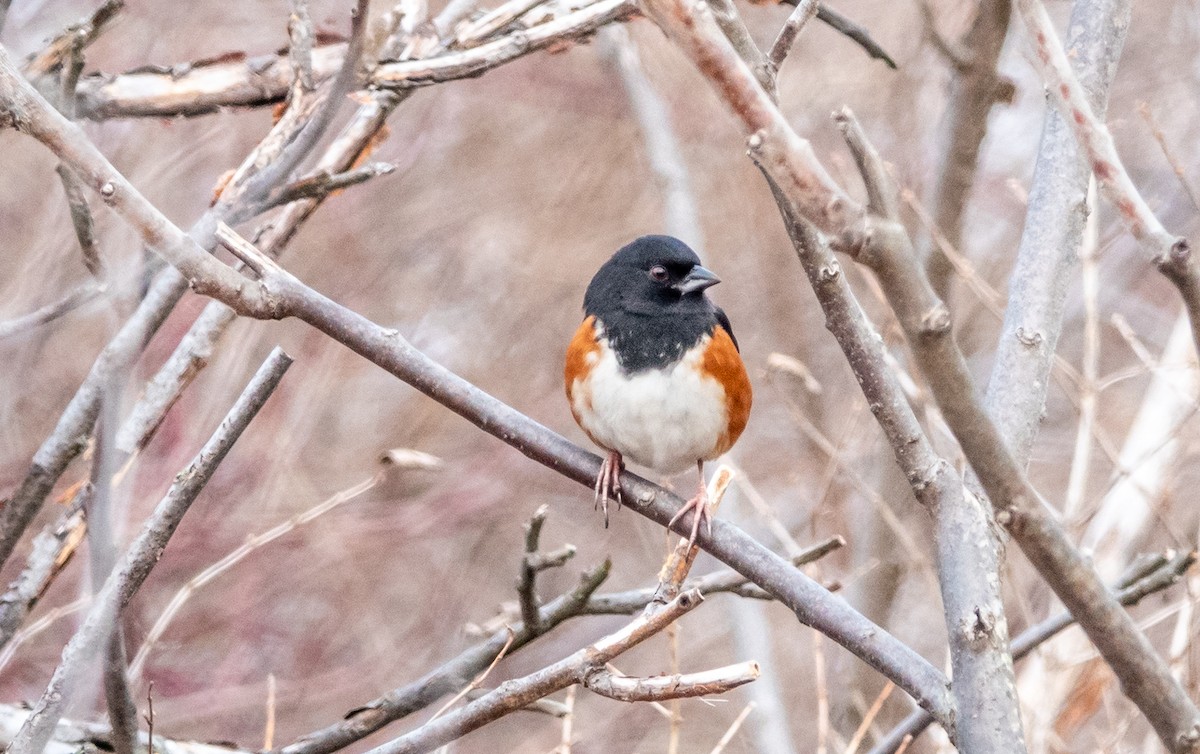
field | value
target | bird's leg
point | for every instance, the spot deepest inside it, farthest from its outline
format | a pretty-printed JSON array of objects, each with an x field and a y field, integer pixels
[
  {"x": 608, "y": 483},
  {"x": 699, "y": 504}
]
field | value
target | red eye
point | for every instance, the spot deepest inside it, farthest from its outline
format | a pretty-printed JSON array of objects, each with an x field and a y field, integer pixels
[{"x": 659, "y": 273}]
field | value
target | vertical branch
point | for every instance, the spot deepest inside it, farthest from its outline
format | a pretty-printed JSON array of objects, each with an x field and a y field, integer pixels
[
  {"x": 680, "y": 215},
  {"x": 1050, "y": 240},
  {"x": 1144, "y": 676},
  {"x": 968, "y": 551},
  {"x": 143, "y": 555},
  {"x": 251, "y": 182},
  {"x": 1090, "y": 275},
  {"x": 975, "y": 88},
  {"x": 1172, "y": 254},
  {"x": 102, "y": 548}
]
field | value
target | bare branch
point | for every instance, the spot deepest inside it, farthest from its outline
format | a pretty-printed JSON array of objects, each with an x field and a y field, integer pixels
[
  {"x": 968, "y": 553},
  {"x": 278, "y": 293},
  {"x": 50, "y": 552},
  {"x": 666, "y": 687},
  {"x": 796, "y": 20},
  {"x": 198, "y": 88},
  {"x": 451, "y": 676},
  {"x": 81, "y": 220},
  {"x": 493, "y": 21},
  {"x": 207, "y": 86},
  {"x": 478, "y": 60},
  {"x": 527, "y": 584},
  {"x": 926, "y": 323},
  {"x": 974, "y": 89},
  {"x": 727, "y": 17},
  {"x": 321, "y": 184},
  {"x": 1172, "y": 254},
  {"x": 1166, "y": 573},
  {"x": 517, "y": 693},
  {"x": 142, "y": 556},
  {"x": 73, "y": 40},
  {"x": 854, "y": 32},
  {"x": 50, "y": 312}
]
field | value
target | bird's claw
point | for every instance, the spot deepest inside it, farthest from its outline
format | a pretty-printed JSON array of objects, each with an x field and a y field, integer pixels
[
  {"x": 699, "y": 504},
  {"x": 608, "y": 483}
]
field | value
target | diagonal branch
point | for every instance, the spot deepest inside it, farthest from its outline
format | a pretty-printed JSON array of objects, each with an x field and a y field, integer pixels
[
  {"x": 515, "y": 694},
  {"x": 208, "y": 86},
  {"x": 975, "y": 88},
  {"x": 967, "y": 551},
  {"x": 1145, "y": 678},
  {"x": 1167, "y": 573},
  {"x": 812, "y": 604},
  {"x": 143, "y": 555},
  {"x": 280, "y": 151},
  {"x": 880, "y": 242},
  {"x": 1172, "y": 254},
  {"x": 1051, "y": 238}
]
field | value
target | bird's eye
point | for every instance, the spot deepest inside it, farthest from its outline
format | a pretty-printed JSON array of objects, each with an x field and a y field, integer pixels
[{"x": 658, "y": 273}]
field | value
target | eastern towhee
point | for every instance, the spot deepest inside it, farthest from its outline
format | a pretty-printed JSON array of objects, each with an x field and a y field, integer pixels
[{"x": 653, "y": 374}]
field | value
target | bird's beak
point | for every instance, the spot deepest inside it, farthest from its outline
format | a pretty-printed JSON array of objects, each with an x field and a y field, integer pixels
[{"x": 697, "y": 280}]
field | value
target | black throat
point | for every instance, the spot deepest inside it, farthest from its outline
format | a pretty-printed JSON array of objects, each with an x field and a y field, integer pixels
[{"x": 643, "y": 342}]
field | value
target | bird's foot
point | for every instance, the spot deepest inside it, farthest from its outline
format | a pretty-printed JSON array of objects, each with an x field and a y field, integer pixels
[
  {"x": 608, "y": 483},
  {"x": 701, "y": 515}
]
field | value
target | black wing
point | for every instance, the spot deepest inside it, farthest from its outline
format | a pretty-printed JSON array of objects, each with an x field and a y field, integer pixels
[{"x": 723, "y": 321}]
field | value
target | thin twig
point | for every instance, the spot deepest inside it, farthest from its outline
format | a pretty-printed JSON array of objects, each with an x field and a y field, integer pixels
[
  {"x": 852, "y": 31},
  {"x": 269, "y": 725},
  {"x": 667, "y": 687},
  {"x": 1172, "y": 254},
  {"x": 49, "y": 553},
  {"x": 474, "y": 684},
  {"x": 83, "y": 294},
  {"x": 927, "y": 325},
  {"x": 796, "y": 20},
  {"x": 1176, "y": 167},
  {"x": 279, "y": 294},
  {"x": 323, "y": 183},
  {"x": 861, "y": 732},
  {"x": 527, "y": 583},
  {"x": 517, "y": 693},
  {"x": 81, "y": 221},
  {"x": 733, "y": 728},
  {"x": 1089, "y": 273},
  {"x": 251, "y": 544},
  {"x": 1166, "y": 575},
  {"x": 142, "y": 556}
]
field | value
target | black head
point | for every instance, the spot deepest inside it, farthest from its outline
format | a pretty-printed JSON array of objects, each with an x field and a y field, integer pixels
[
  {"x": 650, "y": 299},
  {"x": 652, "y": 275}
]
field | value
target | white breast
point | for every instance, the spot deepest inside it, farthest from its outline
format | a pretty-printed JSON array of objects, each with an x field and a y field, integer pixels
[{"x": 665, "y": 420}]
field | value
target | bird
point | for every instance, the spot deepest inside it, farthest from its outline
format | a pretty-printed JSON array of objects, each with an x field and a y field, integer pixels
[{"x": 654, "y": 374}]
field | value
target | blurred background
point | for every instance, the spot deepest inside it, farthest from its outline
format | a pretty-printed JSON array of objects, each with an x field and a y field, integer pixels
[{"x": 509, "y": 191}]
